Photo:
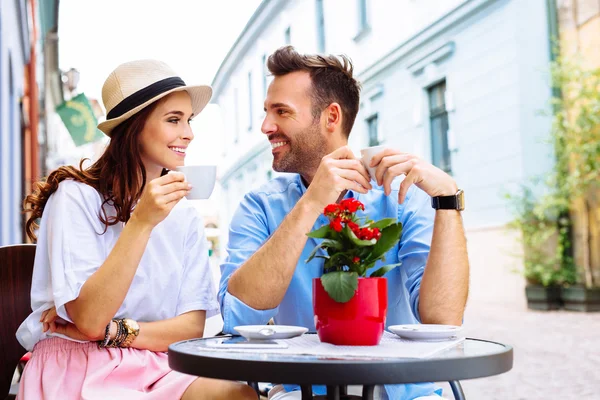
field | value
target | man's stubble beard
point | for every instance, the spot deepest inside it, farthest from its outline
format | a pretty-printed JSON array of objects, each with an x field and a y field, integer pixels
[{"x": 305, "y": 155}]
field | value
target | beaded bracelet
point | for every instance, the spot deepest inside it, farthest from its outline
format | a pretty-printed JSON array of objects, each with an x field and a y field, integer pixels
[
  {"x": 104, "y": 343},
  {"x": 120, "y": 336}
]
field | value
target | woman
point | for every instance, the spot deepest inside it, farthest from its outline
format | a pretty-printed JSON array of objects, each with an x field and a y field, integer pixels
[{"x": 121, "y": 268}]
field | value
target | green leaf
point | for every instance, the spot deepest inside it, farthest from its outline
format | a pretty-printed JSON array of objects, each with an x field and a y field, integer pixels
[
  {"x": 337, "y": 260},
  {"x": 340, "y": 286},
  {"x": 383, "y": 223},
  {"x": 383, "y": 270},
  {"x": 362, "y": 269},
  {"x": 326, "y": 243},
  {"x": 356, "y": 240},
  {"x": 321, "y": 233},
  {"x": 389, "y": 237}
]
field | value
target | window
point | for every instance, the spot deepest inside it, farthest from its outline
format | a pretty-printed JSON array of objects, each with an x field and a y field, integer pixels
[
  {"x": 372, "y": 125},
  {"x": 265, "y": 72},
  {"x": 320, "y": 27},
  {"x": 363, "y": 16},
  {"x": 288, "y": 35},
  {"x": 438, "y": 122},
  {"x": 250, "y": 101}
]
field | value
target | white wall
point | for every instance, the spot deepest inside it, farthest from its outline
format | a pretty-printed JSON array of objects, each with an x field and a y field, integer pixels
[
  {"x": 493, "y": 55},
  {"x": 497, "y": 82}
]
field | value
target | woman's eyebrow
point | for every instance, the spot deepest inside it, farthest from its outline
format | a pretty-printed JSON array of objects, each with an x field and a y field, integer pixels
[{"x": 176, "y": 113}]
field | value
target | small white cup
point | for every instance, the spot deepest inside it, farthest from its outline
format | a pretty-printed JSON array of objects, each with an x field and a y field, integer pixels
[
  {"x": 367, "y": 154},
  {"x": 202, "y": 178}
]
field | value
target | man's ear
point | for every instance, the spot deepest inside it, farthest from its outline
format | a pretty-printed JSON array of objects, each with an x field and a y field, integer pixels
[{"x": 333, "y": 114}]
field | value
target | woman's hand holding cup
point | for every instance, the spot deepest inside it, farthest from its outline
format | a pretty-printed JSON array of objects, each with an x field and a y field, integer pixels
[{"x": 159, "y": 197}]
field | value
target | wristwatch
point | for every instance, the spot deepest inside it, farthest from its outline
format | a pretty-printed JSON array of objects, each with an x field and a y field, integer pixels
[
  {"x": 455, "y": 202},
  {"x": 132, "y": 329}
]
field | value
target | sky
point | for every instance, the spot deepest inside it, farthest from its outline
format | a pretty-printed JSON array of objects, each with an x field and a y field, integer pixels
[{"x": 192, "y": 36}]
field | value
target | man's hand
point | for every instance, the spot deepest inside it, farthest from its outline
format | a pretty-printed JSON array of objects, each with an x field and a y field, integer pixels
[
  {"x": 338, "y": 171},
  {"x": 392, "y": 163}
]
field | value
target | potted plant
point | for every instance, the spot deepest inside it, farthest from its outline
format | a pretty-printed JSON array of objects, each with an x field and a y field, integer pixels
[
  {"x": 544, "y": 230},
  {"x": 576, "y": 134},
  {"x": 350, "y": 308}
]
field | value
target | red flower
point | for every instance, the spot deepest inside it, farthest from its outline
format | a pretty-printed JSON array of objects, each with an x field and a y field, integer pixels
[
  {"x": 353, "y": 227},
  {"x": 356, "y": 260},
  {"x": 376, "y": 233},
  {"x": 336, "y": 224},
  {"x": 331, "y": 209},
  {"x": 365, "y": 234},
  {"x": 351, "y": 205}
]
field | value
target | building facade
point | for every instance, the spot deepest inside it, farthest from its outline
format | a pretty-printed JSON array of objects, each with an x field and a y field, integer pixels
[
  {"x": 15, "y": 44},
  {"x": 463, "y": 84},
  {"x": 25, "y": 28}
]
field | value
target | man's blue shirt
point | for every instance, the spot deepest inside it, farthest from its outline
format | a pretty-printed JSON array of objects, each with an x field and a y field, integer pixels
[{"x": 261, "y": 212}]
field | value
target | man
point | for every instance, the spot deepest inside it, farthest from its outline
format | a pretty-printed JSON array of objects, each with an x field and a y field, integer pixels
[{"x": 310, "y": 109}]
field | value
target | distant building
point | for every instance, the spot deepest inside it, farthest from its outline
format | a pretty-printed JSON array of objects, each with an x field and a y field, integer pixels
[
  {"x": 28, "y": 34},
  {"x": 463, "y": 84}
]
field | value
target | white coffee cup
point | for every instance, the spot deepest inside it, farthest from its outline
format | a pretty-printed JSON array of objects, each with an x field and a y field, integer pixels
[
  {"x": 367, "y": 154},
  {"x": 202, "y": 178}
]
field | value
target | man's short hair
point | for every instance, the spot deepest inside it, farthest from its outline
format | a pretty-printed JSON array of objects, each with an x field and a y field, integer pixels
[{"x": 331, "y": 76}]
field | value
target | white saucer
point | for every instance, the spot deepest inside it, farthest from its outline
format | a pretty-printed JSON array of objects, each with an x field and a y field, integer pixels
[
  {"x": 426, "y": 331},
  {"x": 270, "y": 331}
]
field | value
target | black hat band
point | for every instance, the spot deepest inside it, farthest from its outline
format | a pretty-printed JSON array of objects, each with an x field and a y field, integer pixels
[{"x": 143, "y": 95}]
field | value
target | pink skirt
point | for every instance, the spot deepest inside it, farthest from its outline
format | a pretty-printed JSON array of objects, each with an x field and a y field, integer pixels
[{"x": 65, "y": 370}]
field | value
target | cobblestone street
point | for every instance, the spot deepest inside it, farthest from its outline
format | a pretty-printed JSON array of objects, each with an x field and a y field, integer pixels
[{"x": 556, "y": 354}]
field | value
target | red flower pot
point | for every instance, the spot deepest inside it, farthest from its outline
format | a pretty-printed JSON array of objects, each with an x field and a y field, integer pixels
[{"x": 358, "y": 322}]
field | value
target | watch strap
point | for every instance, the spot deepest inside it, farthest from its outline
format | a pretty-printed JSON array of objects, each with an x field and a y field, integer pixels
[{"x": 454, "y": 202}]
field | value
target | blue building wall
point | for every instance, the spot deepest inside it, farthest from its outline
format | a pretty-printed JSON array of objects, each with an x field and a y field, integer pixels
[
  {"x": 13, "y": 58},
  {"x": 494, "y": 59}
]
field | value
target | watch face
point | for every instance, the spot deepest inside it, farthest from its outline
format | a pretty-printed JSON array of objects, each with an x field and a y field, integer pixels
[
  {"x": 132, "y": 325},
  {"x": 460, "y": 200}
]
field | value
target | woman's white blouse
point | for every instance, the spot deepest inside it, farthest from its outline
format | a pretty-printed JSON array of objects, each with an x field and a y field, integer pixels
[{"x": 173, "y": 276}]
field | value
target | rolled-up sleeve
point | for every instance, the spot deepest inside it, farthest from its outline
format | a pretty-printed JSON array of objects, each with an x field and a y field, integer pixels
[
  {"x": 75, "y": 245},
  {"x": 247, "y": 232},
  {"x": 417, "y": 217}
]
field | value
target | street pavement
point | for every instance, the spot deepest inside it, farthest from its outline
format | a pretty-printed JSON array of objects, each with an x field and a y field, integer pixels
[{"x": 556, "y": 354}]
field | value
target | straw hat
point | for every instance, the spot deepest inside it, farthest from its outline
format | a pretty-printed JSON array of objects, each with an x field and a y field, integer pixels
[{"x": 136, "y": 84}]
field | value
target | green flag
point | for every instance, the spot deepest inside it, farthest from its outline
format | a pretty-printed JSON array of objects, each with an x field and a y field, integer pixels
[{"x": 78, "y": 116}]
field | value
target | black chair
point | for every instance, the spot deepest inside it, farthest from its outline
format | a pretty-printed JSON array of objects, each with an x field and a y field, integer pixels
[{"x": 16, "y": 267}]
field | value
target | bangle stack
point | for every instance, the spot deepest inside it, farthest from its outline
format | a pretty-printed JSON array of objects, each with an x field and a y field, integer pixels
[{"x": 122, "y": 337}]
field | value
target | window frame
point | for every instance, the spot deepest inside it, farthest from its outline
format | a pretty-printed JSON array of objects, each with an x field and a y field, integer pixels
[{"x": 438, "y": 113}]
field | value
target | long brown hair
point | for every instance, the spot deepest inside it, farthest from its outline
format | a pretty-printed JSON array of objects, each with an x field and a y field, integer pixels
[
  {"x": 118, "y": 175},
  {"x": 332, "y": 80}
]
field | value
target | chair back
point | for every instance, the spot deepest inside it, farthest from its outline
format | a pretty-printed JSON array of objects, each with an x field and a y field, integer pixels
[{"x": 16, "y": 267}]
